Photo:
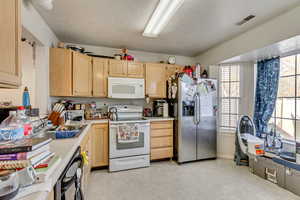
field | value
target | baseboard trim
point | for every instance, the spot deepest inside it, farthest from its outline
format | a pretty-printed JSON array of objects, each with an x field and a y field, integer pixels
[{"x": 227, "y": 157}]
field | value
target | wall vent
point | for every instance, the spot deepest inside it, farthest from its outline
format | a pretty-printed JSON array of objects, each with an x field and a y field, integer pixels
[{"x": 245, "y": 20}]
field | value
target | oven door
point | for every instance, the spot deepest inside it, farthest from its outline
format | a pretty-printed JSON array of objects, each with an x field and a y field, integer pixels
[
  {"x": 137, "y": 145},
  {"x": 126, "y": 88}
]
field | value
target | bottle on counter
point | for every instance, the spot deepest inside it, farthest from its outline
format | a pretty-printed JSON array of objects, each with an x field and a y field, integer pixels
[
  {"x": 11, "y": 128},
  {"x": 26, "y": 98},
  {"x": 26, "y": 122}
]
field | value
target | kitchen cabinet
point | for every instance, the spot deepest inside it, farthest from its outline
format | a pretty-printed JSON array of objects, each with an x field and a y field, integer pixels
[
  {"x": 156, "y": 80},
  {"x": 292, "y": 181},
  {"x": 135, "y": 70},
  {"x": 82, "y": 75},
  {"x": 123, "y": 68},
  {"x": 10, "y": 43},
  {"x": 117, "y": 68},
  {"x": 86, "y": 149},
  {"x": 100, "y": 74},
  {"x": 61, "y": 81},
  {"x": 161, "y": 141},
  {"x": 100, "y": 145},
  {"x": 50, "y": 196},
  {"x": 259, "y": 168},
  {"x": 172, "y": 69},
  {"x": 70, "y": 73}
]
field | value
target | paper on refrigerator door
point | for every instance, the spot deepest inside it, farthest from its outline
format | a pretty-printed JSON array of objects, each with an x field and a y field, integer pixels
[{"x": 206, "y": 105}]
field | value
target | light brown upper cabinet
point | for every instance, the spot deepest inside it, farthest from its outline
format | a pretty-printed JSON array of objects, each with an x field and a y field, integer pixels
[
  {"x": 100, "y": 74},
  {"x": 70, "y": 73},
  {"x": 61, "y": 68},
  {"x": 172, "y": 69},
  {"x": 82, "y": 75},
  {"x": 10, "y": 40},
  {"x": 122, "y": 68},
  {"x": 135, "y": 70},
  {"x": 117, "y": 68},
  {"x": 156, "y": 80}
]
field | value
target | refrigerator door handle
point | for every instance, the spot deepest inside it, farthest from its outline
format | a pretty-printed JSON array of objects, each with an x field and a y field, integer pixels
[
  {"x": 195, "y": 109},
  {"x": 199, "y": 109}
]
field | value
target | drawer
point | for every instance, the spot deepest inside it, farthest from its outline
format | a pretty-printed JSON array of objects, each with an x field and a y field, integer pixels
[
  {"x": 292, "y": 181},
  {"x": 159, "y": 142},
  {"x": 161, "y": 153},
  {"x": 260, "y": 167},
  {"x": 161, "y": 132},
  {"x": 162, "y": 125}
]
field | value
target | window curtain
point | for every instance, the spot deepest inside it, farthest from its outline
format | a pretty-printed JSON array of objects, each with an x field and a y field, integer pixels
[{"x": 266, "y": 92}]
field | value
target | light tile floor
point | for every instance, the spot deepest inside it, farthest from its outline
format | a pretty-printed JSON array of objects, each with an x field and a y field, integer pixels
[{"x": 206, "y": 180}]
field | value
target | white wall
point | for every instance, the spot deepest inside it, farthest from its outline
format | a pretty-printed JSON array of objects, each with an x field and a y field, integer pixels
[
  {"x": 226, "y": 140},
  {"x": 28, "y": 79},
  {"x": 280, "y": 28},
  {"x": 139, "y": 55},
  {"x": 36, "y": 29},
  {"x": 35, "y": 24}
]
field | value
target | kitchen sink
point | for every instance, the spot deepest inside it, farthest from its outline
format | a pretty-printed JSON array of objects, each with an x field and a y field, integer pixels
[{"x": 62, "y": 132}]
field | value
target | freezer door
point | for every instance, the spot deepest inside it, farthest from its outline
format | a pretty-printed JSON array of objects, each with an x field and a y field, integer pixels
[
  {"x": 187, "y": 127},
  {"x": 206, "y": 138},
  {"x": 207, "y": 127}
]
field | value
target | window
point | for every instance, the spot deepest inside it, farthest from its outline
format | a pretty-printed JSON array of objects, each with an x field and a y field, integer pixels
[
  {"x": 286, "y": 115},
  {"x": 229, "y": 96}
]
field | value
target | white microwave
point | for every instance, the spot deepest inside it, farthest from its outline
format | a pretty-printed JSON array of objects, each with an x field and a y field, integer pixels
[{"x": 126, "y": 88}]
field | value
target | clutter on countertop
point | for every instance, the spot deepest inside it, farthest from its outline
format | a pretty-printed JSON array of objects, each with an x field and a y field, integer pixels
[{"x": 57, "y": 114}]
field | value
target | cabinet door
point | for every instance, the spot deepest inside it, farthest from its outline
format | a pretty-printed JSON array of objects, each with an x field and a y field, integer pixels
[
  {"x": 117, "y": 68},
  {"x": 100, "y": 74},
  {"x": 60, "y": 72},
  {"x": 135, "y": 70},
  {"x": 156, "y": 80},
  {"x": 82, "y": 75},
  {"x": 100, "y": 145},
  {"x": 10, "y": 40},
  {"x": 86, "y": 147},
  {"x": 292, "y": 181},
  {"x": 172, "y": 69}
]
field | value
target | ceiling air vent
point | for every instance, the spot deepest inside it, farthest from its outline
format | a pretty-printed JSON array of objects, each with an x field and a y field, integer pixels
[{"x": 245, "y": 20}]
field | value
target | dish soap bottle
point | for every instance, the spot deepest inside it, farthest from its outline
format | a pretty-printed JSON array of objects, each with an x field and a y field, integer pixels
[{"x": 26, "y": 98}]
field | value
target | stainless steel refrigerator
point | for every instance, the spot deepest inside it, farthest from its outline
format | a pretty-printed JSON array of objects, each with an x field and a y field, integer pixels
[{"x": 196, "y": 114}]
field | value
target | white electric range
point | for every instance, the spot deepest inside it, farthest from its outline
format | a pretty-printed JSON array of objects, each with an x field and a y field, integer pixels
[{"x": 129, "y": 139}]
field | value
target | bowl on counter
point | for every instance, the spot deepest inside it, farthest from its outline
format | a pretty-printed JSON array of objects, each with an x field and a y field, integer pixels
[{"x": 9, "y": 184}]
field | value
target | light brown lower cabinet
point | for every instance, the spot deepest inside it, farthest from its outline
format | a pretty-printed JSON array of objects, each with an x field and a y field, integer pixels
[
  {"x": 161, "y": 140},
  {"x": 100, "y": 145},
  {"x": 86, "y": 148},
  {"x": 51, "y": 195}
]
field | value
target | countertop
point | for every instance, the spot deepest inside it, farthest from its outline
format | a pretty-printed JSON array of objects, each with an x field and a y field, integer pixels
[
  {"x": 153, "y": 119},
  {"x": 64, "y": 148}
]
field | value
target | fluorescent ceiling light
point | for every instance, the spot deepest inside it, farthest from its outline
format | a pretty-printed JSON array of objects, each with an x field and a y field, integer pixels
[{"x": 161, "y": 16}]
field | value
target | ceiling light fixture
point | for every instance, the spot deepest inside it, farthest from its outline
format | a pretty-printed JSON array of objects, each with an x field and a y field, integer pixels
[{"x": 161, "y": 16}]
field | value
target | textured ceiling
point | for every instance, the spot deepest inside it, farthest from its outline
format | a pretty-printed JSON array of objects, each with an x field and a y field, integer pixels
[{"x": 197, "y": 26}]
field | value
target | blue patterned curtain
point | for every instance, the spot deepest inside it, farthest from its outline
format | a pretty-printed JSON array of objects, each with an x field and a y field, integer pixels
[{"x": 266, "y": 92}]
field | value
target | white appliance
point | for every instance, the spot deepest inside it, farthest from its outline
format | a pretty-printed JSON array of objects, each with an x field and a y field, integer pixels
[
  {"x": 129, "y": 139},
  {"x": 126, "y": 88}
]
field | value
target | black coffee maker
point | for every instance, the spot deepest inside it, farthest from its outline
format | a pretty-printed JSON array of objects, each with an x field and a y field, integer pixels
[{"x": 4, "y": 112}]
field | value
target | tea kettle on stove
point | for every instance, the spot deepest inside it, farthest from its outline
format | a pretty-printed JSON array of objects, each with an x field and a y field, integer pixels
[{"x": 113, "y": 115}]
